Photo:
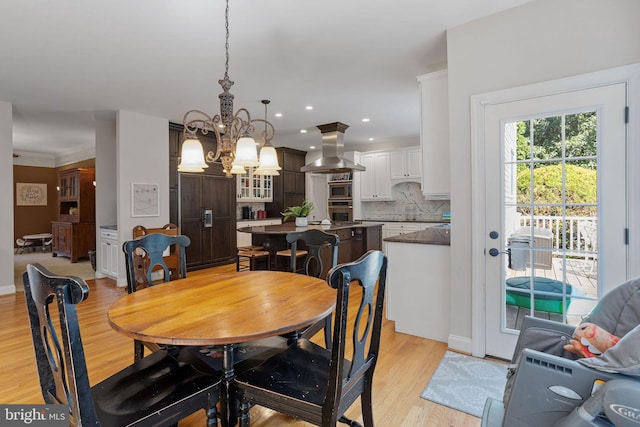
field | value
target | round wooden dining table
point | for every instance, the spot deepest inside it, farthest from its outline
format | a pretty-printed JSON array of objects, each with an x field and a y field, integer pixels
[{"x": 223, "y": 309}]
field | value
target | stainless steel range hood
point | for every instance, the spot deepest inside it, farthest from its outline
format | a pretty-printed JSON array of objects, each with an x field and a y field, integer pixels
[{"x": 332, "y": 160}]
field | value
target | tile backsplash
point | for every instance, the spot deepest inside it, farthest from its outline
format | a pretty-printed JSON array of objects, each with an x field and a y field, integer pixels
[{"x": 408, "y": 204}]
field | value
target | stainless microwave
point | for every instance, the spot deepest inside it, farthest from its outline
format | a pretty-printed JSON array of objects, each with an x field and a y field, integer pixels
[{"x": 340, "y": 190}]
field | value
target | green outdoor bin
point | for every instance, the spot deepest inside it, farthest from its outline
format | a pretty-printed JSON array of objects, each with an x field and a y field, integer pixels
[{"x": 548, "y": 303}]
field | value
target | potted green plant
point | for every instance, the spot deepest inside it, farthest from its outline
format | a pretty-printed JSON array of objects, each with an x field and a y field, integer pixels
[{"x": 299, "y": 212}]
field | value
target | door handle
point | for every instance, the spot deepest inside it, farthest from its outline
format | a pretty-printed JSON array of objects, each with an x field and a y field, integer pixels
[{"x": 495, "y": 252}]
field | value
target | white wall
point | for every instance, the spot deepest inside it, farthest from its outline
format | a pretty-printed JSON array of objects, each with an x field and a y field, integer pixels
[
  {"x": 142, "y": 156},
  {"x": 6, "y": 209},
  {"x": 106, "y": 179},
  {"x": 538, "y": 41}
]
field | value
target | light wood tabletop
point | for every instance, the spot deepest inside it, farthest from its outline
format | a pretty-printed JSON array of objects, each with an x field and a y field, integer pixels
[
  {"x": 223, "y": 309},
  {"x": 214, "y": 309}
]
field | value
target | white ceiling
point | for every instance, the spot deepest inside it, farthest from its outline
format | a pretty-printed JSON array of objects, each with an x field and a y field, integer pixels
[{"x": 65, "y": 62}]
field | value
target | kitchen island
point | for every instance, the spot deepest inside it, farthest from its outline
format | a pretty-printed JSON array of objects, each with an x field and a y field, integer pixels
[
  {"x": 418, "y": 277},
  {"x": 355, "y": 238}
]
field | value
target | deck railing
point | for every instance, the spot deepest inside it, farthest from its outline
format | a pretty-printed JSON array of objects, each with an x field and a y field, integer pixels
[{"x": 570, "y": 233}]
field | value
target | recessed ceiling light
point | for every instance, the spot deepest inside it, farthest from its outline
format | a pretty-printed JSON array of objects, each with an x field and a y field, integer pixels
[
  {"x": 278, "y": 114},
  {"x": 366, "y": 119},
  {"x": 303, "y": 131},
  {"x": 309, "y": 107},
  {"x": 370, "y": 139},
  {"x": 312, "y": 147}
]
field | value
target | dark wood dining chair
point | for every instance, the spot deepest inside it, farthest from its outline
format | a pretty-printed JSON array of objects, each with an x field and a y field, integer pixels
[
  {"x": 156, "y": 390},
  {"x": 144, "y": 258},
  {"x": 314, "y": 241},
  {"x": 321, "y": 255},
  {"x": 318, "y": 385},
  {"x": 172, "y": 259}
]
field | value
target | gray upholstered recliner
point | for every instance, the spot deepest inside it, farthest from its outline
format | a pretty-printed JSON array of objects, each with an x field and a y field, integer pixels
[{"x": 548, "y": 386}]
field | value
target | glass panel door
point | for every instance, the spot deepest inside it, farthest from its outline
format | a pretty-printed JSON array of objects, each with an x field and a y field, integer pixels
[{"x": 555, "y": 208}]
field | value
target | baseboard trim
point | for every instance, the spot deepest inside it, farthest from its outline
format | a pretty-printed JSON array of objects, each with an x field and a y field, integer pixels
[
  {"x": 7, "y": 289},
  {"x": 461, "y": 344}
]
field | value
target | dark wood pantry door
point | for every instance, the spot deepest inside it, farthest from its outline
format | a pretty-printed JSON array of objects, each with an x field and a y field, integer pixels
[{"x": 213, "y": 242}]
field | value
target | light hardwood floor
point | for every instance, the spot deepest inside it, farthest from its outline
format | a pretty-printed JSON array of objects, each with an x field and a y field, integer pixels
[{"x": 405, "y": 365}]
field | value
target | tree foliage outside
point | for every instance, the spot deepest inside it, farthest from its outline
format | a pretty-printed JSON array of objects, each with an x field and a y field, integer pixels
[
  {"x": 580, "y": 152},
  {"x": 580, "y": 139},
  {"x": 580, "y": 188}
]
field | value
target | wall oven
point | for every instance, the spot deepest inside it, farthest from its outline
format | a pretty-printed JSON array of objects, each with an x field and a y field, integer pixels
[{"x": 340, "y": 210}]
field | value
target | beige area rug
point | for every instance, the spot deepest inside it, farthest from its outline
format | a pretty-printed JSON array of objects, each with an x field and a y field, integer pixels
[{"x": 58, "y": 265}]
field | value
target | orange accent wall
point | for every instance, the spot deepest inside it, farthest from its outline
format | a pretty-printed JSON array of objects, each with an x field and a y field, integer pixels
[{"x": 37, "y": 219}]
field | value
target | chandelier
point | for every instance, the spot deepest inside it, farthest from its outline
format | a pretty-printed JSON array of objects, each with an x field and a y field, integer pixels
[{"x": 235, "y": 147}]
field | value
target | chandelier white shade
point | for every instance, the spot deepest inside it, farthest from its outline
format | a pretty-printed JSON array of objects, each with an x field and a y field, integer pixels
[
  {"x": 246, "y": 153},
  {"x": 238, "y": 170},
  {"x": 268, "y": 161},
  {"x": 192, "y": 159}
]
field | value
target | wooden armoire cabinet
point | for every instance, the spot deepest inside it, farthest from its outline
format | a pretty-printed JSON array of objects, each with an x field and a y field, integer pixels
[
  {"x": 74, "y": 233},
  {"x": 289, "y": 186},
  {"x": 203, "y": 205}
]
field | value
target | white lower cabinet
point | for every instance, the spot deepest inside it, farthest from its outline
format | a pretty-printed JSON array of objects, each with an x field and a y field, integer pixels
[
  {"x": 109, "y": 253},
  {"x": 418, "y": 283}
]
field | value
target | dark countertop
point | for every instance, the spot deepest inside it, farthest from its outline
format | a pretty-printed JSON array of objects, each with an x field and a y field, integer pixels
[
  {"x": 439, "y": 221},
  {"x": 430, "y": 236},
  {"x": 258, "y": 219},
  {"x": 288, "y": 227}
]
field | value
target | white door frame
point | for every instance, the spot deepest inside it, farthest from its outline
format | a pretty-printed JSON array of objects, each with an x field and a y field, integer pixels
[{"x": 628, "y": 74}]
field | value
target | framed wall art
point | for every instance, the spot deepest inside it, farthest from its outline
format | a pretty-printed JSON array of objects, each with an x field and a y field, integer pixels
[
  {"x": 31, "y": 194},
  {"x": 145, "y": 200}
]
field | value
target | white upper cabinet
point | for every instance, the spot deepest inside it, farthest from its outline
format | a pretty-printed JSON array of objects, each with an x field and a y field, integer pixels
[
  {"x": 254, "y": 188},
  {"x": 434, "y": 134},
  {"x": 375, "y": 182},
  {"x": 406, "y": 165}
]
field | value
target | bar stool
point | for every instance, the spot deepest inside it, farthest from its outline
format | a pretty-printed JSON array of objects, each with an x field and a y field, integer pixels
[
  {"x": 251, "y": 248},
  {"x": 250, "y": 255},
  {"x": 287, "y": 253}
]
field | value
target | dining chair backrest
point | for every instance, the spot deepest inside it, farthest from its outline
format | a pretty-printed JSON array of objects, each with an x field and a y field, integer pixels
[
  {"x": 58, "y": 347},
  {"x": 146, "y": 259},
  {"x": 157, "y": 390},
  {"x": 368, "y": 273},
  {"x": 317, "y": 243},
  {"x": 314, "y": 240},
  {"x": 318, "y": 385},
  {"x": 144, "y": 256},
  {"x": 168, "y": 229}
]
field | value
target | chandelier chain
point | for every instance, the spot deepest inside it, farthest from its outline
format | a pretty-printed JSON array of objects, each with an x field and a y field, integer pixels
[{"x": 226, "y": 44}]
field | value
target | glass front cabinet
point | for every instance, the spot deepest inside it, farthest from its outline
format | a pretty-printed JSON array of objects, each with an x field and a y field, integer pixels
[{"x": 254, "y": 188}]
